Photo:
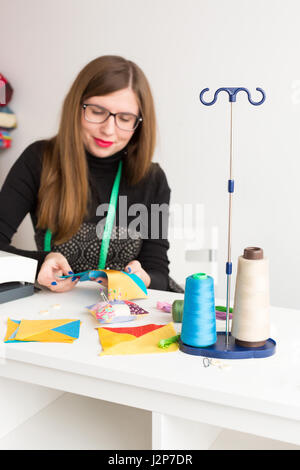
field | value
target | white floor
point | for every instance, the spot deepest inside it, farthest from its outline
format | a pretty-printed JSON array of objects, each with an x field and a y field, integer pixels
[{"x": 69, "y": 423}]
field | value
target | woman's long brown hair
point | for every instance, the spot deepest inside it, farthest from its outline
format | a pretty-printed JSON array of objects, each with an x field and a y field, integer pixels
[{"x": 64, "y": 190}]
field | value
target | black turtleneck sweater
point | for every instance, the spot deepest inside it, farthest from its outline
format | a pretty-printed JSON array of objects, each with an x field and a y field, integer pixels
[{"x": 18, "y": 197}]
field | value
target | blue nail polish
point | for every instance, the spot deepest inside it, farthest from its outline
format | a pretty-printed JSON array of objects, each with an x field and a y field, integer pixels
[
  {"x": 74, "y": 278},
  {"x": 53, "y": 283},
  {"x": 129, "y": 270},
  {"x": 100, "y": 282},
  {"x": 70, "y": 272}
]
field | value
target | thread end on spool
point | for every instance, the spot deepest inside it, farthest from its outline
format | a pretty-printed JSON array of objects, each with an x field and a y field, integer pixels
[
  {"x": 199, "y": 276},
  {"x": 253, "y": 252}
]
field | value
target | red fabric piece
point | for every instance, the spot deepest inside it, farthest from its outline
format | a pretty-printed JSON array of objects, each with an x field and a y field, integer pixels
[
  {"x": 136, "y": 330},
  {"x": 5, "y": 93}
]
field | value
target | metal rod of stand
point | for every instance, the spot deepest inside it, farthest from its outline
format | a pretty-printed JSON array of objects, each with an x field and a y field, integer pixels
[{"x": 229, "y": 263}]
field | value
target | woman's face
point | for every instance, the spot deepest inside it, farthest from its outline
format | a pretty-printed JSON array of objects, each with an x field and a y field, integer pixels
[{"x": 105, "y": 139}]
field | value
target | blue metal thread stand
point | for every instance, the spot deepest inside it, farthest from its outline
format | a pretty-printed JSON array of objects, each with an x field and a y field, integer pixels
[
  {"x": 232, "y": 93},
  {"x": 223, "y": 350}
]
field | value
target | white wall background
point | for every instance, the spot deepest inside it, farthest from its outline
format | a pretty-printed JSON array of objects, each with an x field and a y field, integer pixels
[{"x": 183, "y": 46}]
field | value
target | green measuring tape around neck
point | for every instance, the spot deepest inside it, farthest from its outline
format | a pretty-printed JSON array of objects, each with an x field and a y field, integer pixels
[
  {"x": 108, "y": 224},
  {"x": 110, "y": 218}
]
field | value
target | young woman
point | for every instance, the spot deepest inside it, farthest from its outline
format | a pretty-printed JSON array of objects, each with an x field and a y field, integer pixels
[{"x": 100, "y": 159}]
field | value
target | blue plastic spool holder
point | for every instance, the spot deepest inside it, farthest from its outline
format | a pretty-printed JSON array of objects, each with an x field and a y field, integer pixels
[{"x": 222, "y": 350}]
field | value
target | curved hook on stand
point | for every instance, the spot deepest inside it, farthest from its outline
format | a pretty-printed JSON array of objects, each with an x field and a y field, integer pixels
[{"x": 232, "y": 92}]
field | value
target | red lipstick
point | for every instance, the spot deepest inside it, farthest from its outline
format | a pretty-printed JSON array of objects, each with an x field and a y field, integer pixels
[{"x": 102, "y": 143}]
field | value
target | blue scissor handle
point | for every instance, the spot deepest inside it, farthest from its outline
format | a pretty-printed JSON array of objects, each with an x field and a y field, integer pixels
[{"x": 232, "y": 92}]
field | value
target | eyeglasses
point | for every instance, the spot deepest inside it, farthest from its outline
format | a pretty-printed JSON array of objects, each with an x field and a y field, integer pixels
[{"x": 98, "y": 115}]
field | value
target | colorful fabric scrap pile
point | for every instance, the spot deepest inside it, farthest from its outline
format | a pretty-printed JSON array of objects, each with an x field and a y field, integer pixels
[
  {"x": 116, "y": 311},
  {"x": 8, "y": 119}
]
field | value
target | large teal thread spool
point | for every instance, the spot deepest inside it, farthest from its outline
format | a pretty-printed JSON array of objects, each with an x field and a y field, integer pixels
[{"x": 199, "y": 317}]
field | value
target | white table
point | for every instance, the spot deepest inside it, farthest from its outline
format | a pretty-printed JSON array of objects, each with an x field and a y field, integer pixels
[{"x": 189, "y": 404}]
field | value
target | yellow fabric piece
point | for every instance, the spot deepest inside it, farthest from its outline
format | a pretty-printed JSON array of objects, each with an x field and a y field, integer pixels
[
  {"x": 109, "y": 338},
  {"x": 46, "y": 337},
  {"x": 8, "y": 120},
  {"x": 11, "y": 328},
  {"x": 146, "y": 344},
  {"x": 33, "y": 330},
  {"x": 122, "y": 287},
  {"x": 38, "y": 330}
]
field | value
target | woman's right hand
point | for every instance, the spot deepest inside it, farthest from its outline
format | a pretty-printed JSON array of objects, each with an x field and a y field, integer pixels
[{"x": 54, "y": 266}]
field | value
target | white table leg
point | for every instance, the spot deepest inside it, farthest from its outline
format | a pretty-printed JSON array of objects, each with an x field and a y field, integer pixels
[{"x": 169, "y": 432}]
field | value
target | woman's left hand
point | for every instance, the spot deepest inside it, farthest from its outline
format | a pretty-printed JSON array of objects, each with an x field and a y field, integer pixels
[{"x": 135, "y": 267}]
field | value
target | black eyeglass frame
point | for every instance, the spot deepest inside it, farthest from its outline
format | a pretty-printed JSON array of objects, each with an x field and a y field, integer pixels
[{"x": 137, "y": 121}]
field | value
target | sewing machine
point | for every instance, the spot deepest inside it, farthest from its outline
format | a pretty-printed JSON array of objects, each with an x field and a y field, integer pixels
[{"x": 17, "y": 276}]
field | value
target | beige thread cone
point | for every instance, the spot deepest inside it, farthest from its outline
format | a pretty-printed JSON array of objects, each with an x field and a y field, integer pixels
[{"x": 251, "y": 316}]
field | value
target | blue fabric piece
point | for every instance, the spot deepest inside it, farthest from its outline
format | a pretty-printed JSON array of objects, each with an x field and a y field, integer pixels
[
  {"x": 6, "y": 109},
  {"x": 86, "y": 275},
  {"x": 70, "y": 329},
  {"x": 83, "y": 276},
  {"x": 15, "y": 332},
  {"x": 96, "y": 274},
  {"x": 138, "y": 281}
]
